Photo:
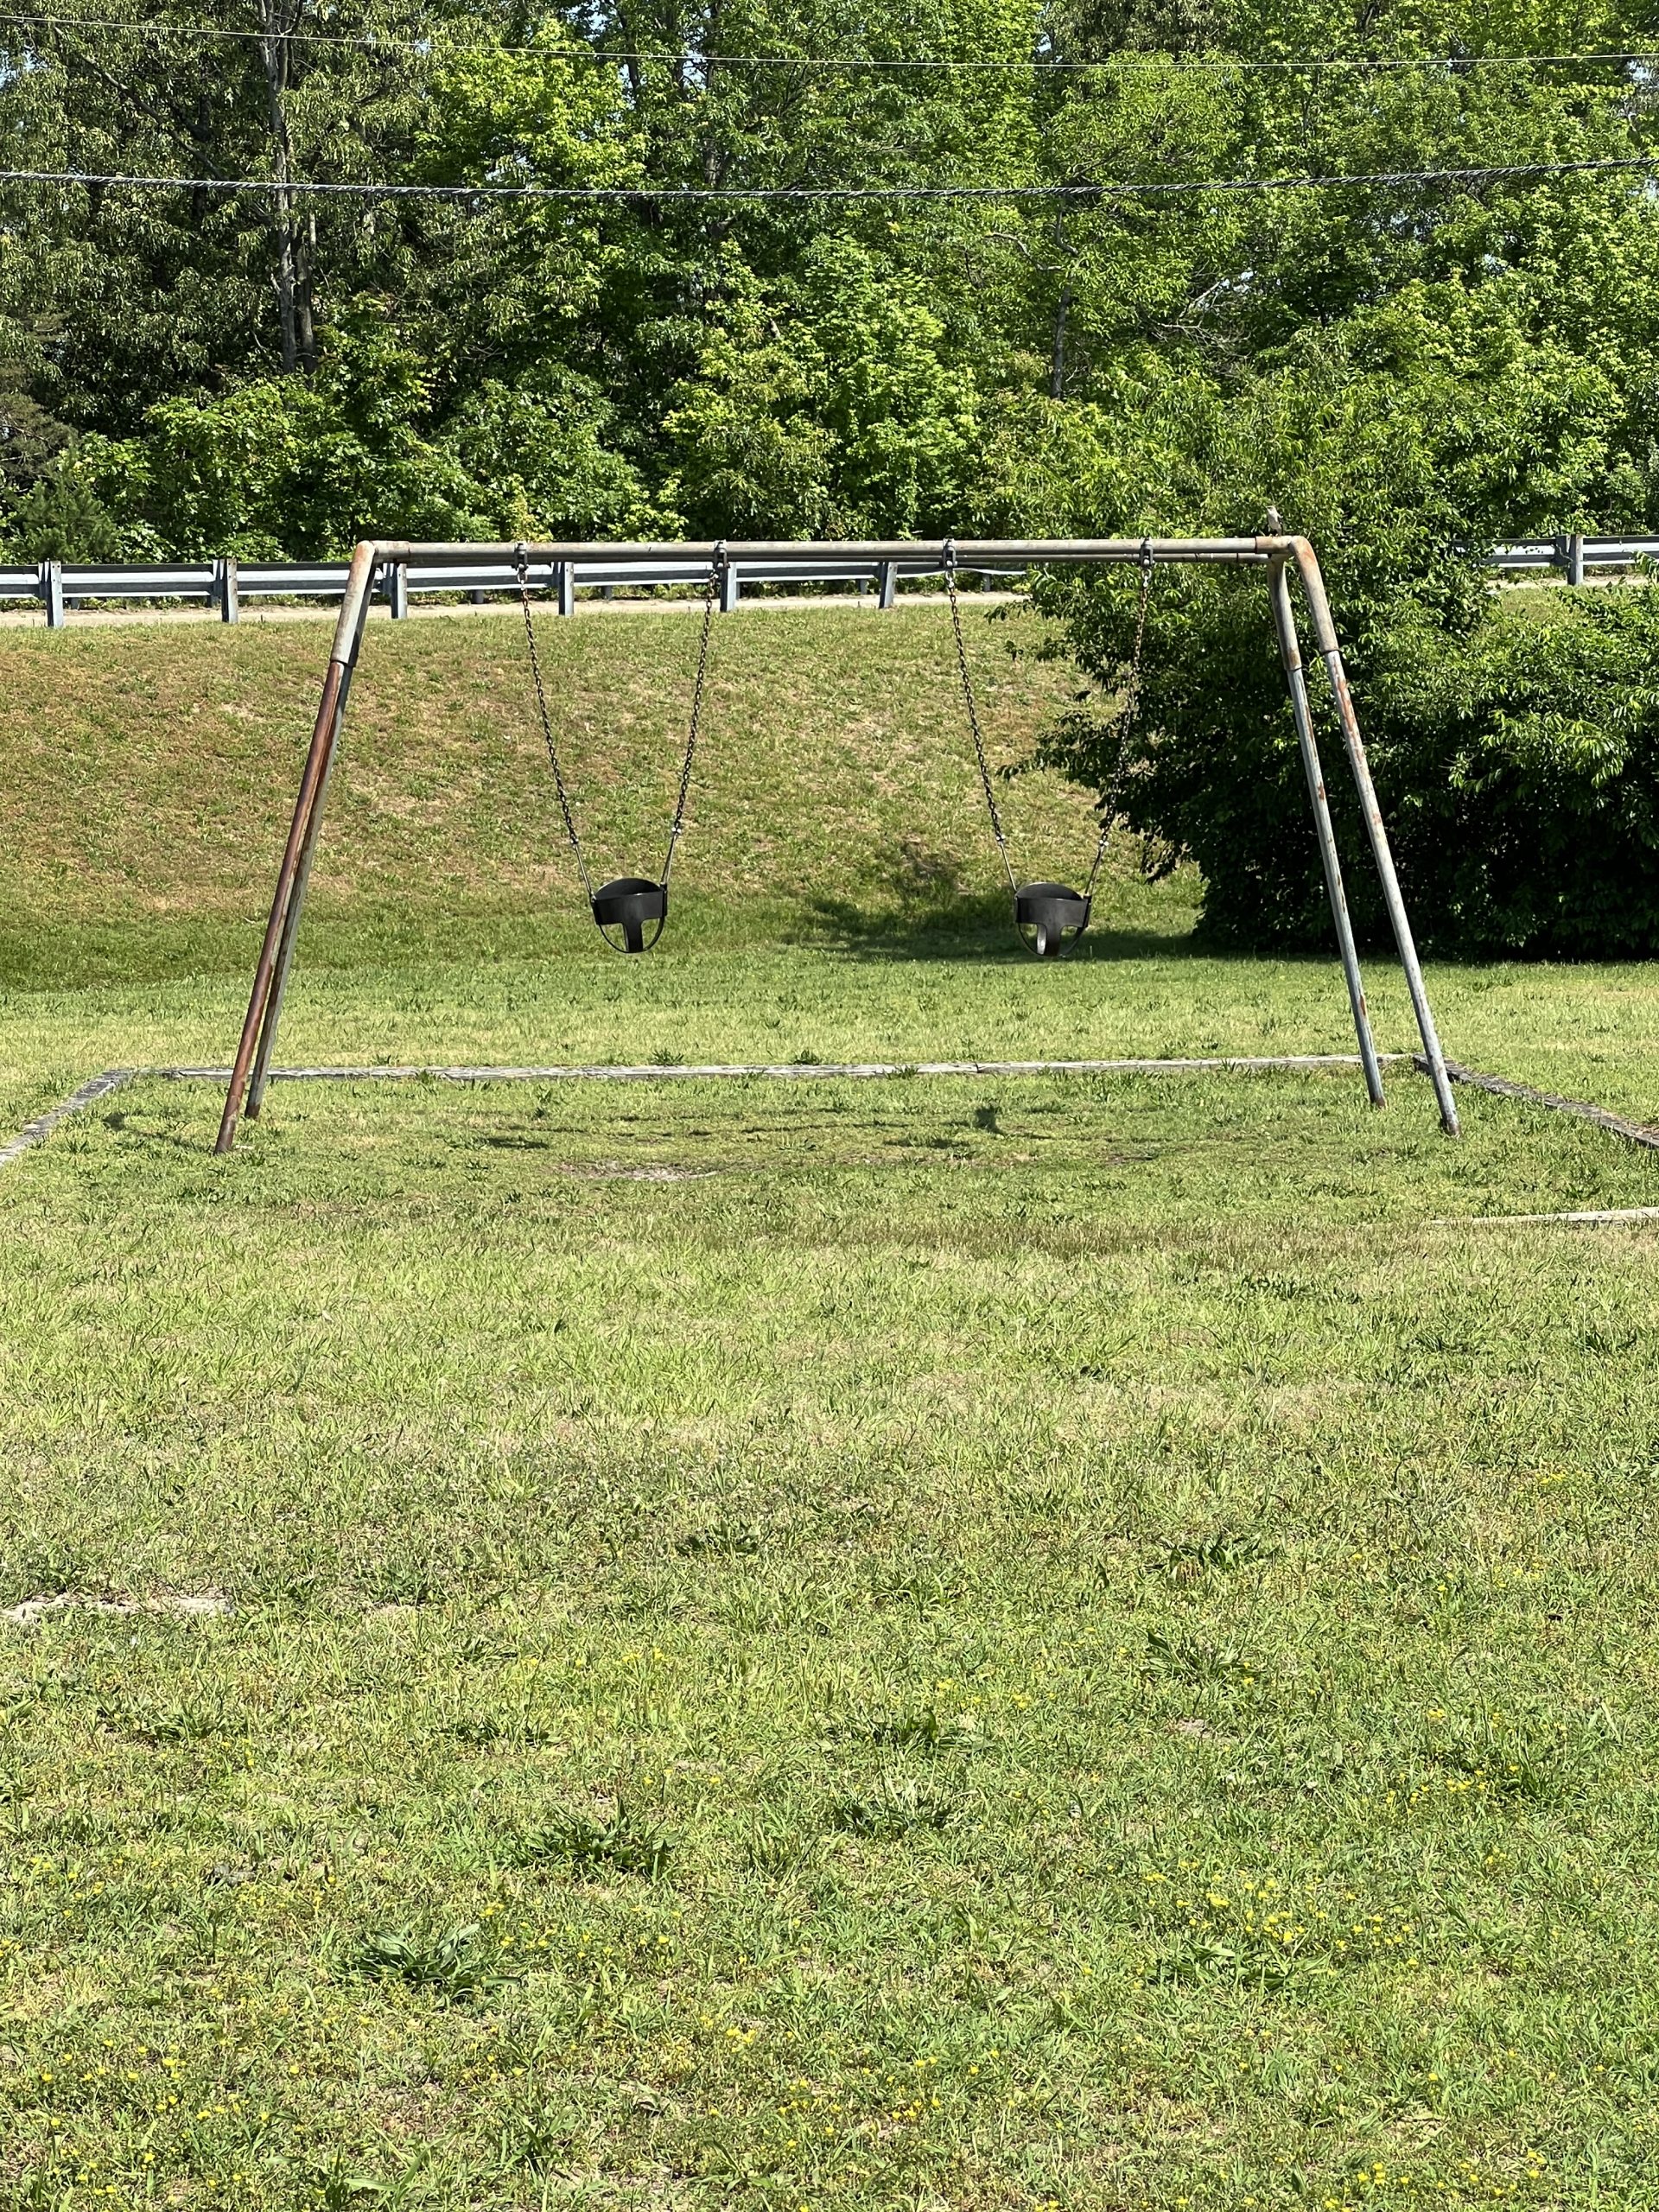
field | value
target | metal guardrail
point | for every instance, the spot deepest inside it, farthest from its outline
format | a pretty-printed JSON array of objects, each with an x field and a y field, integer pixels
[
  {"x": 1575, "y": 554},
  {"x": 226, "y": 582}
]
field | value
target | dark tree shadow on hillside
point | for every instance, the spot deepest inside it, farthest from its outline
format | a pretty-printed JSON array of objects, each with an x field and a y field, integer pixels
[{"x": 923, "y": 910}]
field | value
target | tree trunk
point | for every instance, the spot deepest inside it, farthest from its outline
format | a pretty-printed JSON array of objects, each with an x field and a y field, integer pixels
[
  {"x": 292, "y": 240},
  {"x": 1057, "y": 367}
]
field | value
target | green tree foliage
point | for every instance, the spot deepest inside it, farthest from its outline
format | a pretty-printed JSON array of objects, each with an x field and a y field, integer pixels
[{"x": 1405, "y": 369}]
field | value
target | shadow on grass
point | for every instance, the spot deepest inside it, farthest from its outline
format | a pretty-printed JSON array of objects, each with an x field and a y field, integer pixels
[
  {"x": 921, "y": 909},
  {"x": 139, "y": 1127},
  {"x": 976, "y": 926}
]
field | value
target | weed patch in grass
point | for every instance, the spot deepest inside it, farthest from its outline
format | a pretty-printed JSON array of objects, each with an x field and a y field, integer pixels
[
  {"x": 894, "y": 1808},
  {"x": 622, "y": 1841},
  {"x": 455, "y": 1964},
  {"x": 722, "y": 1540},
  {"x": 927, "y": 1731},
  {"x": 1196, "y": 1559}
]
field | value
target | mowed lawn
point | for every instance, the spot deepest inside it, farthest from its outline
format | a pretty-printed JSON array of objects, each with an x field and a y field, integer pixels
[{"x": 982, "y": 1643}]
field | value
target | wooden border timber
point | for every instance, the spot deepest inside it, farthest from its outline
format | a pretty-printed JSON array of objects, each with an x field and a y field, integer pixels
[
  {"x": 1642, "y": 1133},
  {"x": 1276, "y": 555}
]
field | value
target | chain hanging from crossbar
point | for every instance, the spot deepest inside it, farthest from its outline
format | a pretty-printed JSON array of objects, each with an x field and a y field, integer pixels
[
  {"x": 522, "y": 562},
  {"x": 1127, "y": 720},
  {"x": 972, "y": 705},
  {"x": 711, "y": 601}
]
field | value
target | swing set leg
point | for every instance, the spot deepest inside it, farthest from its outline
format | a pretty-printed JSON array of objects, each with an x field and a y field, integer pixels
[
  {"x": 1284, "y": 623},
  {"x": 258, "y": 1040},
  {"x": 1324, "y": 633},
  {"x": 261, "y": 1058}
]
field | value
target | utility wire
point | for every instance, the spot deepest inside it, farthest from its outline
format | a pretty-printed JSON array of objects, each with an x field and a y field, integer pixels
[
  {"x": 1491, "y": 171},
  {"x": 574, "y": 56}
]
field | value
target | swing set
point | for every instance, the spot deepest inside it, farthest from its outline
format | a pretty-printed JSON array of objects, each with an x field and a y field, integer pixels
[{"x": 630, "y": 911}]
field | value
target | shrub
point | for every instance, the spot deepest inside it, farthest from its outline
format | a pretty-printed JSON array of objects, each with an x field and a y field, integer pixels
[
  {"x": 1518, "y": 773},
  {"x": 1520, "y": 776},
  {"x": 59, "y": 517}
]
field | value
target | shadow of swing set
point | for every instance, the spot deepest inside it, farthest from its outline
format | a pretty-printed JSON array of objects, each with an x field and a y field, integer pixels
[{"x": 630, "y": 911}]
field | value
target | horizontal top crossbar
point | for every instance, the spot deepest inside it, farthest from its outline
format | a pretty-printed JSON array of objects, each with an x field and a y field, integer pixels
[{"x": 969, "y": 552}]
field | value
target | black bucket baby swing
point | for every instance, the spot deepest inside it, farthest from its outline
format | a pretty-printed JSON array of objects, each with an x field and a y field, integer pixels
[
  {"x": 636, "y": 906},
  {"x": 1050, "y": 917}
]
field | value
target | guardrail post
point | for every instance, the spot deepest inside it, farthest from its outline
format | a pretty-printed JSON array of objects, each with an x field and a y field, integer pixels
[
  {"x": 230, "y": 590},
  {"x": 52, "y": 593},
  {"x": 565, "y": 576},
  {"x": 398, "y": 588},
  {"x": 730, "y": 589},
  {"x": 889, "y": 591},
  {"x": 1569, "y": 555}
]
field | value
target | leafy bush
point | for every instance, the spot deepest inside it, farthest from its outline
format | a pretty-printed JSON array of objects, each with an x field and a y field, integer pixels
[
  {"x": 59, "y": 517},
  {"x": 836, "y": 406},
  {"x": 1517, "y": 769},
  {"x": 285, "y": 466},
  {"x": 1520, "y": 776}
]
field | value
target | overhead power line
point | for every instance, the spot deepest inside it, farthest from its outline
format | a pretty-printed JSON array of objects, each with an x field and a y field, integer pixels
[
  {"x": 575, "y": 56},
  {"x": 1489, "y": 173}
]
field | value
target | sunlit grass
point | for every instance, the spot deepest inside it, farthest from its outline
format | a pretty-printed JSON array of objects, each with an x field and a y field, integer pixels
[{"x": 989, "y": 1644}]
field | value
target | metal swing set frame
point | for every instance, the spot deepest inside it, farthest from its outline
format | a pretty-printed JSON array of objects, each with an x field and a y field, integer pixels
[{"x": 1277, "y": 555}]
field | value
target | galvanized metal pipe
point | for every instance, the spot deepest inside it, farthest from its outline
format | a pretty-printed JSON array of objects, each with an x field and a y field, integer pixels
[
  {"x": 1325, "y": 630},
  {"x": 970, "y": 551},
  {"x": 1284, "y": 622}
]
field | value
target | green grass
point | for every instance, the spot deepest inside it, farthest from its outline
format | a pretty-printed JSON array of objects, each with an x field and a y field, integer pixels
[{"x": 924, "y": 1643}]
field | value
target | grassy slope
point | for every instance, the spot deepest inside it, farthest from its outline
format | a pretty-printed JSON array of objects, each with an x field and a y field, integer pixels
[
  {"x": 149, "y": 777},
  {"x": 1134, "y": 1637}
]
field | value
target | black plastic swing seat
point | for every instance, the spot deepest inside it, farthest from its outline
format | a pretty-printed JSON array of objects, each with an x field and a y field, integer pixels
[
  {"x": 632, "y": 904},
  {"x": 1053, "y": 913}
]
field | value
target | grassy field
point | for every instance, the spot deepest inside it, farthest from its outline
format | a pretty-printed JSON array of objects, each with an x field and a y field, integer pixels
[{"x": 981, "y": 1644}]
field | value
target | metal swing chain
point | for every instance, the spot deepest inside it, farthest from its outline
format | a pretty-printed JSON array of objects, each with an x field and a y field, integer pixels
[
  {"x": 710, "y": 600},
  {"x": 522, "y": 561},
  {"x": 969, "y": 701},
  {"x": 1127, "y": 720}
]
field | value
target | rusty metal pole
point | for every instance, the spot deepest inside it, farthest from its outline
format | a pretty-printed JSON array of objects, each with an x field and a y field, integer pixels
[
  {"x": 272, "y": 1015},
  {"x": 1325, "y": 631},
  {"x": 303, "y": 874},
  {"x": 1284, "y": 623},
  {"x": 346, "y": 633}
]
